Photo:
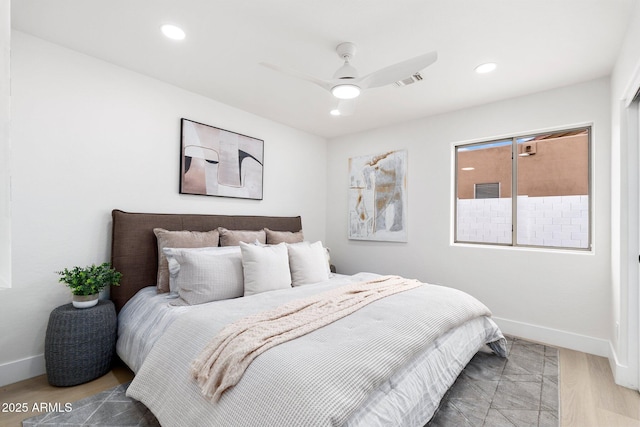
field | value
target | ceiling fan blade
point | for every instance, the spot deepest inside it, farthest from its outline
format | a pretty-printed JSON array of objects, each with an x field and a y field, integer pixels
[
  {"x": 399, "y": 71},
  {"x": 299, "y": 75}
]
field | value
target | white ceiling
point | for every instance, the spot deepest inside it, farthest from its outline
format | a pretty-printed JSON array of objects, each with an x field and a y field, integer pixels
[{"x": 538, "y": 45}]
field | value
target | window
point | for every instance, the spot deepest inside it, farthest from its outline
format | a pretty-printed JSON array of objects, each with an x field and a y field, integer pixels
[
  {"x": 531, "y": 190},
  {"x": 488, "y": 191}
]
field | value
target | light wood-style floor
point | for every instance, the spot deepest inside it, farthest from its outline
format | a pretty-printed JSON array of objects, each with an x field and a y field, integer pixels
[
  {"x": 37, "y": 390},
  {"x": 588, "y": 395}
]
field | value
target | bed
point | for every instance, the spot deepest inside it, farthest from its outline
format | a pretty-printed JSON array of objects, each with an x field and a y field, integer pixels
[{"x": 388, "y": 363}]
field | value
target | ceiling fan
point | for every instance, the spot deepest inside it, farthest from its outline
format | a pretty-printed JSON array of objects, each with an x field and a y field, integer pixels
[{"x": 346, "y": 84}]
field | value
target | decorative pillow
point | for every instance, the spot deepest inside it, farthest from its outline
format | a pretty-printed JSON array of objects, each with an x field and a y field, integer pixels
[
  {"x": 266, "y": 268},
  {"x": 275, "y": 237},
  {"x": 179, "y": 239},
  {"x": 308, "y": 263},
  {"x": 205, "y": 274},
  {"x": 174, "y": 264},
  {"x": 234, "y": 237}
]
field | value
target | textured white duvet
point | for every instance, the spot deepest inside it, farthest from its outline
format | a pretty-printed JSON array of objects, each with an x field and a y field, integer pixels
[{"x": 295, "y": 383}]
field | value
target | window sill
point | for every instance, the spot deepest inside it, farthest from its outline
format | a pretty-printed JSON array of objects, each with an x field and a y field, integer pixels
[{"x": 551, "y": 250}]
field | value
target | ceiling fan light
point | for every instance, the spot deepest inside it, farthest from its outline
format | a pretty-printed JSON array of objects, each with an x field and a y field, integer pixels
[{"x": 346, "y": 91}]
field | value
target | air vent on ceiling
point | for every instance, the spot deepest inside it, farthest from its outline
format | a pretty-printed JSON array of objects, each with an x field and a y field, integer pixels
[{"x": 409, "y": 80}]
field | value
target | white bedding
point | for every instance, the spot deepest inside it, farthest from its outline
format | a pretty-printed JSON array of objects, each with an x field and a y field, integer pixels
[
  {"x": 142, "y": 321},
  {"x": 148, "y": 314},
  {"x": 409, "y": 397}
]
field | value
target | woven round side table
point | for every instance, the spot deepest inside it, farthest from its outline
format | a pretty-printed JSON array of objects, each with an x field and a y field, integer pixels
[{"x": 80, "y": 343}]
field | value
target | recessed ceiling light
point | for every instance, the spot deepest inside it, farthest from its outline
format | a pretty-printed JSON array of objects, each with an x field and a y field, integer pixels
[
  {"x": 468, "y": 169},
  {"x": 335, "y": 112},
  {"x": 173, "y": 32},
  {"x": 486, "y": 68}
]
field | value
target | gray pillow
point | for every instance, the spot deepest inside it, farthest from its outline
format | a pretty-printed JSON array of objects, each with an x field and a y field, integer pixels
[{"x": 205, "y": 274}]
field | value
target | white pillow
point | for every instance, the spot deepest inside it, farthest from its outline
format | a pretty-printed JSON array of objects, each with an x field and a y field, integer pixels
[
  {"x": 307, "y": 262},
  {"x": 205, "y": 274},
  {"x": 266, "y": 268}
]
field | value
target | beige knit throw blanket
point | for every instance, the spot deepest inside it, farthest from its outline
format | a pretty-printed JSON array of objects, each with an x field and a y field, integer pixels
[{"x": 223, "y": 361}]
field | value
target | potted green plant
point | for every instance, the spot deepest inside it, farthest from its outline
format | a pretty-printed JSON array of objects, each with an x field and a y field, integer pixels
[{"x": 86, "y": 283}]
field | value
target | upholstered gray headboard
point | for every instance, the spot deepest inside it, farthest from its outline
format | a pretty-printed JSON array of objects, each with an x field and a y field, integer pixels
[{"x": 134, "y": 250}]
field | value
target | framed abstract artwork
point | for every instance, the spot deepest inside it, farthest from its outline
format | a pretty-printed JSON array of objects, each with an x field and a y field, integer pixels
[
  {"x": 378, "y": 197},
  {"x": 218, "y": 162}
]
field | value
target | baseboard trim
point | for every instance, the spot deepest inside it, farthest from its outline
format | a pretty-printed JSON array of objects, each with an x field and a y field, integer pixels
[
  {"x": 22, "y": 369},
  {"x": 555, "y": 337},
  {"x": 623, "y": 375}
]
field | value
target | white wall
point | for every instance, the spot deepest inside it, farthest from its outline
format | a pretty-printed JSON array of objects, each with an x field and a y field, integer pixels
[
  {"x": 5, "y": 143},
  {"x": 89, "y": 137},
  {"x": 625, "y": 320},
  {"x": 560, "y": 297}
]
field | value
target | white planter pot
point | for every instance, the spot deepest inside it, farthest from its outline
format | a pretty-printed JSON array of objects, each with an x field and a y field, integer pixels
[{"x": 84, "y": 301}]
